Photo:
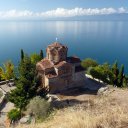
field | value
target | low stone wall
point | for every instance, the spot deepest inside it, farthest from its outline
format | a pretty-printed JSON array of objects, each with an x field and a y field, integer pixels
[
  {"x": 2, "y": 82},
  {"x": 6, "y": 81},
  {"x": 89, "y": 76}
]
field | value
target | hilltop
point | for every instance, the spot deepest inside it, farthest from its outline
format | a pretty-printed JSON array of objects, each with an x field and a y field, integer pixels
[{"x": 90, "y": 111}]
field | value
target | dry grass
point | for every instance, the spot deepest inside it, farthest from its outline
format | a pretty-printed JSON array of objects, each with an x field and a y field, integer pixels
[{"x": 101, "y": 112}]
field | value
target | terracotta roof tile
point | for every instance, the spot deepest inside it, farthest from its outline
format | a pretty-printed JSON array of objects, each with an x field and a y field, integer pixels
[
  {"x": 56, "y": 45},
  {"x": 45, "y": 63},
  {"x": 73, "y": 59},
  {"x": 60, "y": 64}
]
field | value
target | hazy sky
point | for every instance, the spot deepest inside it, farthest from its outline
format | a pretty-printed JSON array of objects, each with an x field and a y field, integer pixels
[
  {"x": 58, "y": 8},
  {"x": 44, "y": 5}
]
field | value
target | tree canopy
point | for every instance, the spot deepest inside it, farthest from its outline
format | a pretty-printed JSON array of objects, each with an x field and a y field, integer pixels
[
  {"x": 89, "y": 63},
  {"x": 7, "y": 71},
  {"x": 27, "y": 84}
]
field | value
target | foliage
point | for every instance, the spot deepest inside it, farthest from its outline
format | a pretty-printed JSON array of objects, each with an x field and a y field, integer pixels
[
  {"x": 7, "y": 72},
  {"x": 109, "y": 74},
  {"x": 14, "y": 115},
  {"x": 1, "y": 73},
  {"x": 41, "y": 54},
  {"x": 26, "y": 68},
  {"x": 39, "y": 107},
  {"x": 19, "y": 97},
  {"x": 22, "y": 54},
  {"x": 125, "y": 82},
  {"x": 121, "y": 76},
  {"x": 115, "y": 71},
  {"x": 27, "y": 84},
  {"x": 102, "y": 72},
  {"x": 35, "y": 58},
  {"x": 89, "y": 63}
]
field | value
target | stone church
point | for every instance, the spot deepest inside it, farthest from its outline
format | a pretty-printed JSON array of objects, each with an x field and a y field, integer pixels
[{"x": 59, "y": 72}]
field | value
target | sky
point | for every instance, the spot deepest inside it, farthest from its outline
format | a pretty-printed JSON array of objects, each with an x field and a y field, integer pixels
[{"x": 22, "y": 9}]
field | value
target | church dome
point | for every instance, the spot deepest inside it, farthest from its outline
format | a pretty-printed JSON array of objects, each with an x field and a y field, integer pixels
[{"x": 57, "y": 52}]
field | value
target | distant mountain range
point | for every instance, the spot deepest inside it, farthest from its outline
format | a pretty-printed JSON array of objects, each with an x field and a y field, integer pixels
[
  {"x": 114, "y": 17},
  {"x": 109, "y": 17}
]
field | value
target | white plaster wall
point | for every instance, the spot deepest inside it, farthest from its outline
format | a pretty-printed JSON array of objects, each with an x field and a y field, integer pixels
[{"x": 46, "y": 82}]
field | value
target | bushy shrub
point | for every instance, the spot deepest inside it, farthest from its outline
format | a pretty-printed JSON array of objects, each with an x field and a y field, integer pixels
[
  {"x": 102, "y": 72},
  {"x": 89, "y": 63},
  {"x": 14, "y": 114},
  {"x": 38, "y": 107}
]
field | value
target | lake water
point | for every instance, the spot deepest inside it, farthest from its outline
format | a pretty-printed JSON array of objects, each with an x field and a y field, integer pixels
[{"x": 101, "y": 40}]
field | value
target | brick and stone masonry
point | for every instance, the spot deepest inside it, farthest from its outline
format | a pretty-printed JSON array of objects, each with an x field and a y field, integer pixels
[{"x": 59, "y": 72}]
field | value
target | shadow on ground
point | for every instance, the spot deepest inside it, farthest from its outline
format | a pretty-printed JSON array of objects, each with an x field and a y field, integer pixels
[
  {"x": 78, "y": 96},
  {"x": 71, "y": 102},
  {"x": 91, "y": 87}
]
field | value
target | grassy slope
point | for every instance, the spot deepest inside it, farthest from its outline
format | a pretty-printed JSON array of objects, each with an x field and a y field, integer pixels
[{"x": 109, "y": 111}]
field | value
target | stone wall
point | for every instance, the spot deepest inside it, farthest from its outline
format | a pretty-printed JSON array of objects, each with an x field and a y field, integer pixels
[
  {"x": 56, "y": 55},
  {"x": 59, "y": 84},
  {"x": 56, "y": 85},
  {"x": 79, "y": 79}
]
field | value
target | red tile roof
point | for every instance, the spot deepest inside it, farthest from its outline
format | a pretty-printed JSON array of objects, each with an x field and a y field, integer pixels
[
  {"x": 73, "y": 59},
  {"x": 60, "y": 64},
  {"x": 45, "y": 63},
  {"x": 56, "y": 45}
]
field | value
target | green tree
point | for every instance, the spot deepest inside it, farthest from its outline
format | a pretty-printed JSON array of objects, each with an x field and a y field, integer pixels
[
  {"x": 7, "y": 72},
  {"x": 1, "y": 73},
  {"x": 107, "y": 75},
  {"x": 14, "y": 115},
  {"x": 121, "y": 76},
  {"x": 27, "y": 69},
  {"x": 35, "y": 58},
  {"x": 89, "y": 63},
  {"x": 41, "y": 54},
  {"x": 27, "y": 85},
  {"x": 125, "y": 82},
  {"x": 19, "y": 96},
  {"x": 95, "y": 73},
  {"x": 102, "y": 72},
  {"x": 115, "y": 72},
  {"x": 22, "y": 54}
]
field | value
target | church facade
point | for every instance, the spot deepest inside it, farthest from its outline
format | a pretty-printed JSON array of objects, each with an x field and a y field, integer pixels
[{"x": 59, "y": 72}]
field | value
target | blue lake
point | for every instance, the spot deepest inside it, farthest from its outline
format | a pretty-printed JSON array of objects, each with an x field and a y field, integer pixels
[{"x": 105, "y": 41}]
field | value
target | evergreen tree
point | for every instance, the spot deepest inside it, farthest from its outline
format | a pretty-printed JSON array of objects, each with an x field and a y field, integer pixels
[
  {"x": 35, "y": 58},
  {"x": 22, "y": 54},
  {"x": 121, "y": 76},
  {"x": 115, "y": 72},
  {"x": 125, "y": 81},
  {"x": 41, "y": 54},
  {"x": 27, "y": 86}
]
